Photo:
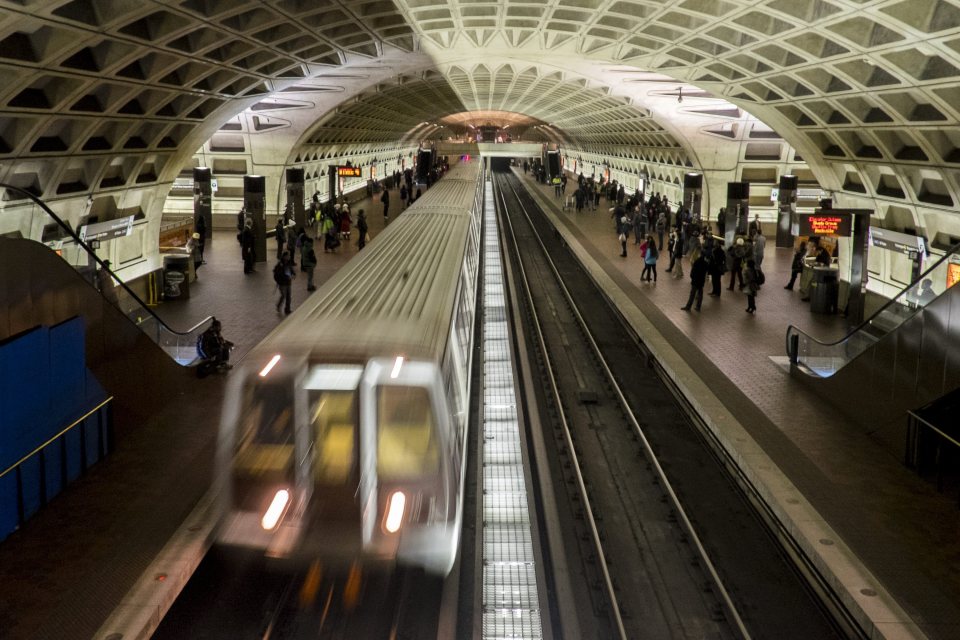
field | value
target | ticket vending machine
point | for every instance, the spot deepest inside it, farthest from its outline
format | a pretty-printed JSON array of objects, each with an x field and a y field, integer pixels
[
  {"x": 255, "y": 202},
  {"x": 202, "y": 193}
]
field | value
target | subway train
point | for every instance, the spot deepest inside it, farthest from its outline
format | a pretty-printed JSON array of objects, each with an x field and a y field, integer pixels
[{"x": 343, "y": 435}]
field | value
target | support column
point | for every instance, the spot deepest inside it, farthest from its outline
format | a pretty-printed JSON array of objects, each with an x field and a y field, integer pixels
[
  {"x": 693, "y": 193},
  {"x": 738, "y": 208},
  {"x": 333, "y": 182},
  {"x": 255, "y": 202},
  {"x": 202, "y": 194},
  {"x": 295, "y": 196},
  {"x": 786, "y": 207},
  {"x": 858, "y": 266}
]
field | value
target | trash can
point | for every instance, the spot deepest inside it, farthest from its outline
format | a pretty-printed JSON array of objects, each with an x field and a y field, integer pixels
[
  {"x": 824, "y": 290},
  {"x": 176, "y": 276}
]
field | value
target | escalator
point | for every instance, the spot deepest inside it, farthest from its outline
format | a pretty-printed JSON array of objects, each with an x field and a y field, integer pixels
[
  {"x": 39, "y": 224},
  {"x": 904, "y": 356}
]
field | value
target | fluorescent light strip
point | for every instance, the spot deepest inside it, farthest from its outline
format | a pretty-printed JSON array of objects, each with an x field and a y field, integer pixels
[{"x": 270, "y": 365}]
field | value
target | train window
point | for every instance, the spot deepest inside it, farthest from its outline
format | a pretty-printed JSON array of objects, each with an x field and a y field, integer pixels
[
  {"x": 265, "y": 445},
  {"x": 333, "y": 415},
  {"x": 406, "y": 439}
]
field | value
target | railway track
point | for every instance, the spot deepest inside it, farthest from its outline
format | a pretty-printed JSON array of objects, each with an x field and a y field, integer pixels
[{"x": 663, "y": 541}]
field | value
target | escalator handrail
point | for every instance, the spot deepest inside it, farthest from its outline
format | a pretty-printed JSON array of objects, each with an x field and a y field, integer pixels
[
  {"x": 90, "y": 253},
  {"x": 793, "y": 329}
]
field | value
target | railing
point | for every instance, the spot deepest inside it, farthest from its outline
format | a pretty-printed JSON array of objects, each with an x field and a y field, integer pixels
[
  {"x": 823, "y": 359},
  {"x": 88, "y": 447},
  {"x": 37, "y": 222}
]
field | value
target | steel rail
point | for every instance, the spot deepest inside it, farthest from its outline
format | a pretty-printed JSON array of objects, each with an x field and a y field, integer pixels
[
  {"x": 581, "y": 486},
  {"x": 681, "y": 512}
]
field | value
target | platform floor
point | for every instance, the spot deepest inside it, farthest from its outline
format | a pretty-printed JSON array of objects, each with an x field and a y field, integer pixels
[
  {"x": 62, "y": 574},
  {"x": 66, "y": 569},
  {"x": 896, "y": 523}
]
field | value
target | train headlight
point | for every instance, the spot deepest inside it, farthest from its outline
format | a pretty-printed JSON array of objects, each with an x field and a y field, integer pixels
[
  {"x": 277, "y": 506},
  {"x": 395, "y": 507}
]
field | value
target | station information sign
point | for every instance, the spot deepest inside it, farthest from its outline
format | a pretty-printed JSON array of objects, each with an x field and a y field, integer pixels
[
  {"x": 119, "y": 228},
  {"x": 826, "y": 223},
  {"x": 349, "y": 172}
]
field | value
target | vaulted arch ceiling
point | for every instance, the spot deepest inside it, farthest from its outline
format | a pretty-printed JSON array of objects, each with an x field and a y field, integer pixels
[{"x": 102, "y": 96}]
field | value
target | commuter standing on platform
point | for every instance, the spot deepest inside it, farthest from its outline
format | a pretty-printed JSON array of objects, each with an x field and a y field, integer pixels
[
  {"x": 718, "y": 266},
  {"x": 751, "y": 286},
  {"x": 362, "y": 229},
  {"x": 247, "y": 239},
  {"x": 796, "y": 267},
  {"x": 281, "y": 236},
  {"x": 385, "y": 200},
  {"x": 292, "y": 242},
  {"x": 403, "y": 196},
  {"x": 737, "y": 253},
  {"x": 308, "y": 259},
  {"x": 759, "y": 243},
  {"x": 200, "y": 228},
  {"x": 650, "y": 260},
  {"x": 698, "y": 278},
  {"x": 283, "y": 275}
]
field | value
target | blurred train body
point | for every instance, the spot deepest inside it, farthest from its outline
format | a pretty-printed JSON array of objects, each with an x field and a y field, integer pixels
[{"x": 343, "y": 435}]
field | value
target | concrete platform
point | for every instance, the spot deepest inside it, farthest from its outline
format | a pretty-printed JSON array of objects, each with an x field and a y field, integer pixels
[
  {"x": 884, "y": 537},
  {"x": 68, "y": 568}
]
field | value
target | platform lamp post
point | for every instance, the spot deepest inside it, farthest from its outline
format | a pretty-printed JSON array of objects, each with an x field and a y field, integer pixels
[
  {"x": 202, "y": 194},
  {"x": 296, "y": 188},
  {"x": 255, "y": 202},
  {"x": 786, "y": 208}
]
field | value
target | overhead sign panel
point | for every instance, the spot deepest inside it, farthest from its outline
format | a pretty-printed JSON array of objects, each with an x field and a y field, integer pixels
[
  {"x": 349, "y": 172},
  {"x": 108, "y": 230},
  {"x": 827, "y": 223}
]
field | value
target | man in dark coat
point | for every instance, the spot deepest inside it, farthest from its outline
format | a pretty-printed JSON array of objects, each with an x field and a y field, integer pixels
[{"x": 698, "y": 278}]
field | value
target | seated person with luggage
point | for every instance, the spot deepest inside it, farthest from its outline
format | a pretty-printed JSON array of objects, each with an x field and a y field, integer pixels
[{"x": 213, "y": 350}]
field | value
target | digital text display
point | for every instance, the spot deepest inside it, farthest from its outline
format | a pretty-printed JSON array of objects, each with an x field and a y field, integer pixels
[
  {"x": 349, "y": 172},
  {"x": 824, "y": 224}
]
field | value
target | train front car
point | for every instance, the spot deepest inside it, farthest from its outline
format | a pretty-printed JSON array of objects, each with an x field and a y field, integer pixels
[{"x": 343, "y": 435}]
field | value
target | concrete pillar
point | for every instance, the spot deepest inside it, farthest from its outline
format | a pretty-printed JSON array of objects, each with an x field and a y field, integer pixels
[
  {"x": 202, "y": 193},
  {"x": 255, "y": 202},
  {"x": 738, "y": 208},
  {"x": 295, "y": 196},
  {"x": 786, "y": 208},
  {"x": 693, "y": 193}
]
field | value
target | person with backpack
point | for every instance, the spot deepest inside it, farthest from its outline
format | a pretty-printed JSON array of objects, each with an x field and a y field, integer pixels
[
  {"x": 308, "y": 259},
  {"x": 283, "y": 275}
]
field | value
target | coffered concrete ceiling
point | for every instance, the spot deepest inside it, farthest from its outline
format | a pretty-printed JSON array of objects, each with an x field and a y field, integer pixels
[{"x": 108, "y": 96}]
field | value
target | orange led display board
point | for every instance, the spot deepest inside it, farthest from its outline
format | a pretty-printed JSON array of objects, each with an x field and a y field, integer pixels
[
  {"x": 349, "y": 172},
  {"x": 824, "y": 224},
  {"x": 953, "y": 274}
]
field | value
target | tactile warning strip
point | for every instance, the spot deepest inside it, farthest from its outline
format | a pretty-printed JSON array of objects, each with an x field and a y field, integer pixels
[{"x": 511, "y": 607}]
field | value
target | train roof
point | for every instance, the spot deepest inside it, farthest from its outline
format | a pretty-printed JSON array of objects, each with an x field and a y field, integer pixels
[{"x": 396, "y": 297}]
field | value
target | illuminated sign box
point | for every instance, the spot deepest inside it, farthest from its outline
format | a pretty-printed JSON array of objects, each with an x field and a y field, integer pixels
[
  {"x": 824, "y": 224},
  {"x": 349, "y": 172}
]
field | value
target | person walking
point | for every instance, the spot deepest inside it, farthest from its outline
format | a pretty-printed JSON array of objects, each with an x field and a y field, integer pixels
[
  {"x": 796, "y": 267},
  {"x": 292, "y": 242},
  {"x": 750, "y": 285},
  {"x": 698, "y": 278},
  {"x": 308, "y": 259},
  {"x": 283, "y": 275},
  {"x": 650, "y": 260},
  {"x": 759, "y": 244},
  {"x": 362, "y": 229},
  {"x": 247, "y": 240}
]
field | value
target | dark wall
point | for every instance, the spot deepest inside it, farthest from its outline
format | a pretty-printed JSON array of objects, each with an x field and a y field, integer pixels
[
  {"x": 907, "y": 368},
  {"x": 37, "y": 287}
]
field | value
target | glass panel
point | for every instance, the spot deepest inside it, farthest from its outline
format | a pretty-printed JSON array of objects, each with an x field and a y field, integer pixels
[
  {"x": 406, "y": 439},
  {"x": 333, "y": 415},
  {"x": 265, "y": 447},
  {"x": 825, "y": 359}
]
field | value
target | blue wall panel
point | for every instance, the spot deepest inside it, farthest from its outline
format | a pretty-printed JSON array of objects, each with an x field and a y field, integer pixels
[
  {"x": 8, "y": 505},
  {"x": 53, "y": 456},
  {"x": 30, "y": 472},
  {"x": 24, "y": 376},
  {"x": 72, "y": 440},
  {"x": 67, "y": 399}
]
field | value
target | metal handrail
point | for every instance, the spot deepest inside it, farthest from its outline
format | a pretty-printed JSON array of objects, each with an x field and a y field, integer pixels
[
  {"x": 56, "y": 437},
  {"x": 63, "y": 225},
  {"x": 792, "y": 329}
]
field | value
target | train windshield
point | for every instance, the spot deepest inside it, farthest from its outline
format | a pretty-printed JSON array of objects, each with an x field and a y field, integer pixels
[
  {"x": 407, "y": 444},
  {"x": 333, "y": 414},
  {"x": 266, "y": 434}
]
